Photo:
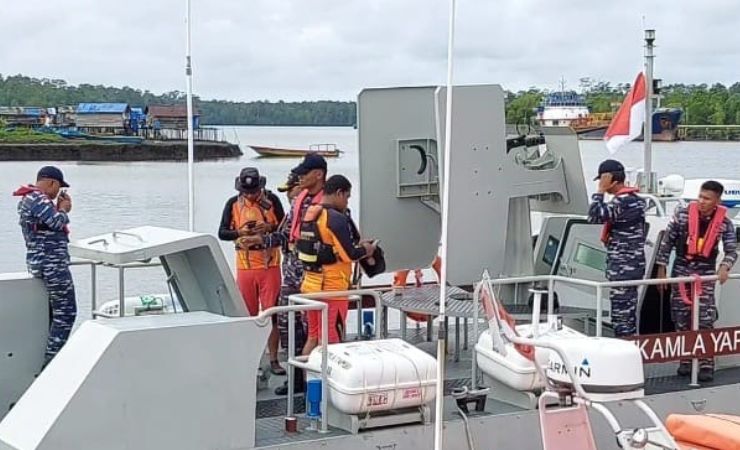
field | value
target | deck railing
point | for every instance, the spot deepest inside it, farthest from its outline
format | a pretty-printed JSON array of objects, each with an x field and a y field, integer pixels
[
  {"x": 301, "y": 362},
  {"x": 599, "y": 287},
  {"x": 309, "y": 301},
  {"x": 121, "y": 282}
]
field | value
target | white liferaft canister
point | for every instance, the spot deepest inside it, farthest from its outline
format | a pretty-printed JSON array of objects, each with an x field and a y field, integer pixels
[
  {"x": 380, "y": 375},
  {"x": 513, "y": 369},
  {"x": 607, "y": 369}
]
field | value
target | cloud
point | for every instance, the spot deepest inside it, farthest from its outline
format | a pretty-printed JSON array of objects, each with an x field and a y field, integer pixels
[{"x": 330, "y": 49}]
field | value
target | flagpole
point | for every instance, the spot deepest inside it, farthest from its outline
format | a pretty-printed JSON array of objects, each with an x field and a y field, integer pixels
[
  {"x": 189, "y": 100},
  {"x": 441, "y": 328},
  {"x": 649, "y": 178}
]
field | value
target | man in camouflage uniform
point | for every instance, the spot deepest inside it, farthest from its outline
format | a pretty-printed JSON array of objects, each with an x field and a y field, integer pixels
[
  {"x": 693, "y": 257},
  {"x": 310, "y": 176},
  {"x": 624, "y": 236},
  {"x": 44, "y": 227},
  {"x": 292, "y": 274}
]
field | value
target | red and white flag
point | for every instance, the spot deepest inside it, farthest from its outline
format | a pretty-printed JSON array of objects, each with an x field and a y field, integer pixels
[{"x": 627, "y": 125}]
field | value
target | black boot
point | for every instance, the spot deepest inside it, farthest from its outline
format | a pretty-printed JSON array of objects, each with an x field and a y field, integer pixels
[
  {"x": 684, "y": 370},
  {"x": 299, "y": 384},
  {"x": 706, "y": 374}
]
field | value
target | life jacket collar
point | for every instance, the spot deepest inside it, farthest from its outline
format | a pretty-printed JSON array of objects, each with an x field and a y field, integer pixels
[{"x": 703, "y": 246}]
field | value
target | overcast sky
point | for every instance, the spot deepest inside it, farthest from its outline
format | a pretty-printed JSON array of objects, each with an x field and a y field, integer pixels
[{"x": 331, "y": 49}]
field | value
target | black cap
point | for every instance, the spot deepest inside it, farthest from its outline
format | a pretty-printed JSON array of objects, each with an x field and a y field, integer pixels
[
  {"x": 310, "y": 162},
  {"x": 609, "y": 166},
  {"x": 52, "y": 173},
  {"x": 248, "y": 181}
]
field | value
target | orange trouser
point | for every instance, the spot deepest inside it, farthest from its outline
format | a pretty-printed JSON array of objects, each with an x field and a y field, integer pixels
[
  {"x": 332, "y": 278},
  {"x": 259, "y": 287}
]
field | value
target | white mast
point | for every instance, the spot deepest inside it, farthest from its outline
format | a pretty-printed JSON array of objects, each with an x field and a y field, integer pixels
[
  {"x": 441, "y": 339},
  {"x": 189, "y": 96},
  {"x": 649, "y": 178}
]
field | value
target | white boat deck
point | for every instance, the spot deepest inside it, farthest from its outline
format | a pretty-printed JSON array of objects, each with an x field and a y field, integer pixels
[{"x": 660, "y": 379}]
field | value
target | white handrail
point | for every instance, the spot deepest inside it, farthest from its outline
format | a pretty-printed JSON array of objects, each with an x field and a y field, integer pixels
[
  {"x": 598, "y": 286},
  {"x": 311, "y": 301}
]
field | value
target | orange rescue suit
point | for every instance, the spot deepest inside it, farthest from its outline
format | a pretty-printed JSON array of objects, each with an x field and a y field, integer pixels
[
  {"x": 336, "y": 276},
  {"x": 243, "y": 213}
]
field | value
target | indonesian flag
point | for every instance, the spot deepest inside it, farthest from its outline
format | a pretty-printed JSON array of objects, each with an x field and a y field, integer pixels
[{"x": 627, "y": 125}]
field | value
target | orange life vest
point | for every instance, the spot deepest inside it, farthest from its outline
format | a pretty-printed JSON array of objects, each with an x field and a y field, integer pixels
[
  {"x": 243, "y": 212},
  {"x": 705, "y": 431},
  {"x": 608, "y": 225},
  {"x": 334, "y": 276},
  {"x": 703, "y": 246}
]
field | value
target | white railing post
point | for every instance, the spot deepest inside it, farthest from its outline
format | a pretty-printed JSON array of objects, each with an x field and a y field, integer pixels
[
  {"x": 599, "y": 318},
  {"x": 551, "y": 300},
  {"x": 324, "y": 371},
  {"x": 121, "y": 293},
  {"x": 473, "y": 356},
  {"x": 93, "y": 288},
  {"x": 291, "y": 356},
  {"x": 695, "y": 327}
]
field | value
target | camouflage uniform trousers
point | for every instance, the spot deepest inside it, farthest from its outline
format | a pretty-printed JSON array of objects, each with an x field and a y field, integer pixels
[
  {"x": 624, "y": 301},
  {"x": 681, "y": 312},
  {"x": 301, "y": 330},
  {"x": 623, "y": 310},
  {"x": 62, "y": 305},
  {"x": 292, "y": 276},
  {"x": 625, "y": 261}
]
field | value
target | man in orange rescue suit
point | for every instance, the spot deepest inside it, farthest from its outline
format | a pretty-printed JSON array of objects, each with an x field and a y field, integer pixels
[
  {"x": 327, "y": 247},
  {"x": 245, "y": 217},
  {"x": 695, "y": 232}
]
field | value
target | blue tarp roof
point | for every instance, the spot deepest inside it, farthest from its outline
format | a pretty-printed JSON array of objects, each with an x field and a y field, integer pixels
[
  {"x": 137, "y": 110},
  {"x": 101, "y": 108}
]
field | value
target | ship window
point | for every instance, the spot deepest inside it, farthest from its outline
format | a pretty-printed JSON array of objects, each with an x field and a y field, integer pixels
[
  {"x": 551, "y": 250},
  {"x": 590, "y": 257},
  {"x": 555, "y": 123}
]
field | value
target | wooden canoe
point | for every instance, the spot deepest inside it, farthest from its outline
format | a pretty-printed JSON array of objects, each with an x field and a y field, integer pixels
[{"x": 325, "y": 150}]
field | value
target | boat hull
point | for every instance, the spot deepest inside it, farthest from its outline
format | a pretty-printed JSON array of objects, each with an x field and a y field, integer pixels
[{"x": 275, "y": 152}]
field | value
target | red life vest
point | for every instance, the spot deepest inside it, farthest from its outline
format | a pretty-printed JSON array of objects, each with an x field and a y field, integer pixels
[
  {"x": 703, "y": 245},
  {"x": 608, "y": 225},
  {"x": 27, "y": 189},
  {"x": 295, "y": 228}
]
